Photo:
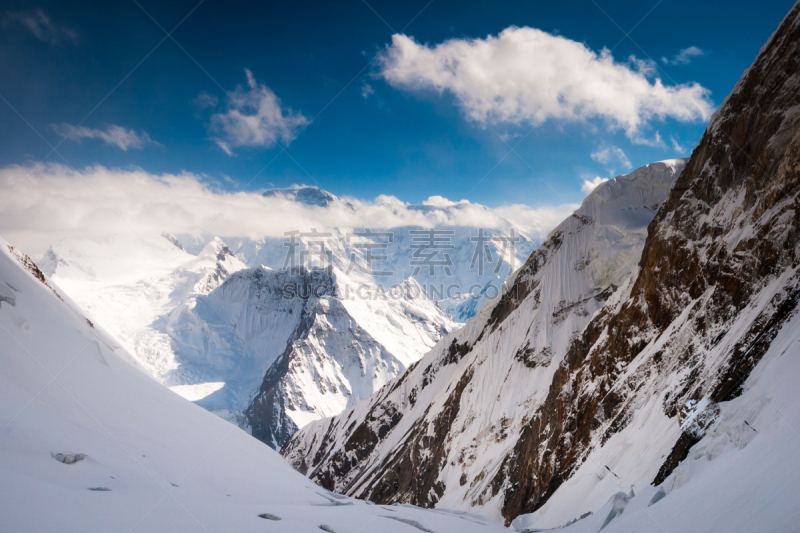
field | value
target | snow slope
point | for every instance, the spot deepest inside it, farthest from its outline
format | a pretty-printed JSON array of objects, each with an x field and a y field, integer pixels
[
  {"x": 149, "y": 460},
  {"x": 130, "y": 283},
  {"x": 462, "y": 408},
  {"x": 740, "y": 477}
]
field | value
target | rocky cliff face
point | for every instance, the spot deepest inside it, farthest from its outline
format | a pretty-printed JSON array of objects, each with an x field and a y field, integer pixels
[
  {"x": 290, "y": 346},
  {"x": 335, "y": 356},
  {"x": 716, "y": 280},
  {"x": 456, "y": 415}
]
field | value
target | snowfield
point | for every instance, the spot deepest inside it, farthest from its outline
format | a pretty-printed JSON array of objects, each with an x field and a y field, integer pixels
[{"x": 149, "y": 459}]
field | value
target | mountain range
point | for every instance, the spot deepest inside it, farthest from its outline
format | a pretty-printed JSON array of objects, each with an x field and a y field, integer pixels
[
  {"x": 92, "y": 443},
  {"x": 637, "y": 372},
  {"x": 274, "y": 333}
]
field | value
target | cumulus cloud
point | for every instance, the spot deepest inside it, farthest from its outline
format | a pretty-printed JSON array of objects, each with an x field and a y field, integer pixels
[
  {"x": 590, "y": 185},
  {"x": 54, "y": 202},
  {"x": 254, "y": 117},
  {"x": 685, "y": 56},
  {"x": 612, "y": 157},
  {"x": 124, "y": 139},
  {"x": 41, "y": 26},
  {"x": 525, "y": 75}
]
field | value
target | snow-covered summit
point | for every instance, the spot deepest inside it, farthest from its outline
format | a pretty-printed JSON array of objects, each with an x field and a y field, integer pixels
[{"x": 312, "y": 341}]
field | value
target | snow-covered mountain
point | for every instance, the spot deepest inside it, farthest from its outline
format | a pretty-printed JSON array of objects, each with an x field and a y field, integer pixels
[
  {"x": 670, "y": 407},
  {"x": 463, "y": 407},
  {"x": 228, "y": 346},
  {"x": 461, "y": 267},
  {"x": 90, "y": 443},
  {"x": 285, "y": 347},
  {"x": 211, "y": 329},
  {"x": 129, "y": 284}
]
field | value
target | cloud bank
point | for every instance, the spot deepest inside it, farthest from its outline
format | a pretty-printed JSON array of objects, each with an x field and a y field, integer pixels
[
  {"x": 525, "y": 75},
  {"x": 124, "y": 139},
  {"x": 254, "y": 117},
  {"x": 55, "y": 202}
]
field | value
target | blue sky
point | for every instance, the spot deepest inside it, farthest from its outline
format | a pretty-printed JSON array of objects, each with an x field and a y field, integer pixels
[{"x": 355, "y": 125}]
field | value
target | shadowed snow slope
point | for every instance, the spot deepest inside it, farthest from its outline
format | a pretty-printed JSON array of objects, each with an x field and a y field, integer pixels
[{"x": 152, "y": 460}]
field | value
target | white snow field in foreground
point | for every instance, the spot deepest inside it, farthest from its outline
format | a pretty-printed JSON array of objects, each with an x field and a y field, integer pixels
[{"x": 153, "y": 461}]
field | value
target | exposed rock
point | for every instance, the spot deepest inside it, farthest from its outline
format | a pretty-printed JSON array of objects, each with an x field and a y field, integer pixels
[{"x": 68, "y": 458}]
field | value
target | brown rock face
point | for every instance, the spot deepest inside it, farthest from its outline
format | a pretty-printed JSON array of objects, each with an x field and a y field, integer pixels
[{"x": 729, "y": 227}]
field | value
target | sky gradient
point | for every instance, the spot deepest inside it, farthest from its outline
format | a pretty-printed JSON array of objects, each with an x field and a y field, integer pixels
[{"x": 343, "y": 112}]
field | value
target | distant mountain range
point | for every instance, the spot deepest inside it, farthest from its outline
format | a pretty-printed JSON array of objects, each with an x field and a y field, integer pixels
[{"x": 273, "y": 333}]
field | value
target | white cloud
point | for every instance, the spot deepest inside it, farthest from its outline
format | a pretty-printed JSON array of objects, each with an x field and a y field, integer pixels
[
  {"x": 254, "y": 117},
  {"x": 680, "y": 150},
  {"x": 367, "y": 90},
  {"x": 525, "y": 75},
  {"x": 441, "y": 201},
  {"x": 54, "y": 203},
  {"x": 41, "y": 26},
  {"x": 655, "y": 142},
  {"x": 124, "y": 139},
  {"x": 685, "y": 56},
  {"x": 611, "y": 157},
  {"x": 590, "y": 185}
]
